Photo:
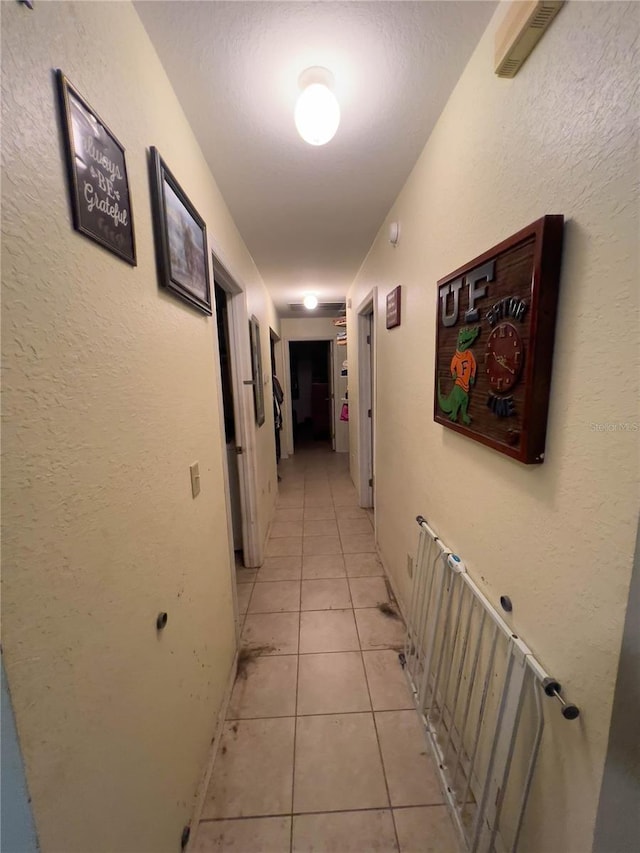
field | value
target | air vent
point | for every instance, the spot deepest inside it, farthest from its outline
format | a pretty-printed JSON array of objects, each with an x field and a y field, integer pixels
[
  {"x": 509, "y": 68},
  {"x": 543, "y": 18},
  {"x": 523, "y": 27}
]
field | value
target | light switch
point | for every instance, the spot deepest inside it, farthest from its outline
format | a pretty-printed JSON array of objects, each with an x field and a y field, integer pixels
[{"x": 195, "y": 479}]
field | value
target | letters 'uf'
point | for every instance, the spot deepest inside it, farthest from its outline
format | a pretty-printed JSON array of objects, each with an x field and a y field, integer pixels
[{"x": 471, "y": 315}]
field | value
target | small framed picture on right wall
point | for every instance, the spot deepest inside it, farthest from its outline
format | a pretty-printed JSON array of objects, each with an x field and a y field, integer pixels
[{"x": 394, "y": 305}]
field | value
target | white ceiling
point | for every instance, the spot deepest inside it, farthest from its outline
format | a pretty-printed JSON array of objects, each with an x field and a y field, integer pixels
[{"x": 309, "y": 214}]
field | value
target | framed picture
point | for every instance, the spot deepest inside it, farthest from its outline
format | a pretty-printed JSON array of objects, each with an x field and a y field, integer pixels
[
  {"x": 494, "y": 342},
  {"x": 394, "y": 305},
  {"x": 181, "y": 238},
  {"x": 97, "y": 174},
  {"x": 256, "y": 370}
]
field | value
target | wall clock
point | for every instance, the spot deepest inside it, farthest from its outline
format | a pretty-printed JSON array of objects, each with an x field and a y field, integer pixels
[
  {"x": 494, "y": 342},
  {"x": 504, "y": 357}
]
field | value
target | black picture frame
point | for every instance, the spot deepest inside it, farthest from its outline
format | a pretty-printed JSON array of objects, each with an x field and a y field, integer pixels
[
  {"x": 180, "y": 238},
  {"x": 97, "y": 175},
  {"x": 256, "y": 370}
]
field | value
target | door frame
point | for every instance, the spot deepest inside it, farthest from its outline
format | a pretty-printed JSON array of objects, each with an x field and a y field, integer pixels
[
  {"x": 288, "y": 410},
  {"x": 240, "y": 350},
  {"x": 367, "y": 316}
]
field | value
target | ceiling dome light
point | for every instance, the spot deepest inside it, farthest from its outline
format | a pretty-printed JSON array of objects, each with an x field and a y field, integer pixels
[
  {"x": 317, "y": 113},
  {"x": 310, "y": 301}
]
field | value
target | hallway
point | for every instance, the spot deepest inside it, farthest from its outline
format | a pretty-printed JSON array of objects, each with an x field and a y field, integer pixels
[
  {"x": 322, "y": 749},
  {"x": 151, "y": 154}
]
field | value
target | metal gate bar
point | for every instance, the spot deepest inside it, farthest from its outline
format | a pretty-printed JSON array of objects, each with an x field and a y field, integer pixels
[{"x": 473, "y": 681}]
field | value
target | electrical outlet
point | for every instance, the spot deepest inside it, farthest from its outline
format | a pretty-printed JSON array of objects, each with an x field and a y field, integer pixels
[
  {"x": 195, "y": 479},
  {"x": 410, "y": 565}
]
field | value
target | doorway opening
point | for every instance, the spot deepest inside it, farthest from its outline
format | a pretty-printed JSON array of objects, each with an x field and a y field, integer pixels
[
  {"x": 311, "y": 393},
  {"x": 226, "y": 381},
  {"x": 237, "y": 424}
]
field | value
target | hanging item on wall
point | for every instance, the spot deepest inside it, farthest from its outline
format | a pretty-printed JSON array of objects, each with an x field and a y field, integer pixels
[
  {"x": 341, "y": 339},
  {"x": 344, "y": 370},
  {"x": 494, "y": 342},
  {"x": 180, "y": 236},
  {"x": 344, "y": 412},
  {"x": 97, "y": 174},
  {"x": 394, "y": 305},
  {"x": 256, "y": 370}
]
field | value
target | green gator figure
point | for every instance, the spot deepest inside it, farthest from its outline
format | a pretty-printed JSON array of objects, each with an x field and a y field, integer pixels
[{"x": 463, "y": 369}]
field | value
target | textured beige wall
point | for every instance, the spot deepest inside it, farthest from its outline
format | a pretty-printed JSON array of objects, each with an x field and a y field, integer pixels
[
  {"x": 110, "y": 392},
  {"x": 558, "y": 538}
]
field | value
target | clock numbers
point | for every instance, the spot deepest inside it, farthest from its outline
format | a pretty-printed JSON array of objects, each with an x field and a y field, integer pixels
[{"x": 503, "y": 357}]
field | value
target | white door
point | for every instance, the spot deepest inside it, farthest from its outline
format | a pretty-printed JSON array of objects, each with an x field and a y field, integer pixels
[
  {"x": 222, "y": 299},
  {"x": 366, "y": 395},
  {"x": 240, "y": 455}
]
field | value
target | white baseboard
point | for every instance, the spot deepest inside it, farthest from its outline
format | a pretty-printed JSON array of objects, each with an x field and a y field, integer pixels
[{"x": 203, "y": 785}]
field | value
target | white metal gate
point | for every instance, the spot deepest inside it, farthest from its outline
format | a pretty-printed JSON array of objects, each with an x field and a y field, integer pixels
[{"x": 479, "y": 691}]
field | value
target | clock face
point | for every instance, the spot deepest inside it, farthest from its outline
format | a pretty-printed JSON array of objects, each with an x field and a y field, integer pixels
[{"x": 504, "y": 357}]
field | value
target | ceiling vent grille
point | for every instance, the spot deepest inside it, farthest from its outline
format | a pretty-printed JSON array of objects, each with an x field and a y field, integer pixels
[
  {"x": 543, "y": 18},
  {"x": 524, "y": 25}
]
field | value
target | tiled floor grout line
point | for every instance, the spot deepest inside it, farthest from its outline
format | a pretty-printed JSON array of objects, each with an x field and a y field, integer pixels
[
  {"x": 315, "y": 713},
  {"x": 311, "y": 609},
  {"x": 375, "y": 728},
  {"x": 243, "y": 616},
  {"x": 295, "y": 722},
  {"x": 330, "y": 652},
  {"x": 308, "y": 488},
  {"x": 308, "y": 610},
  {"x": 334, "y": 811},
  {"x": 295, "y": 737}
]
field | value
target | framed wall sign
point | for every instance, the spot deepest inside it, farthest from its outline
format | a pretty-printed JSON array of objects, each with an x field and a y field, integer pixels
[
  {"x": 494, "y": 342},
  {"x": 97, "y": 173},
  {"x": 256, "y": 370},
  {"x": 394, "y": 305},
  {"x": 180, "y": 237}
]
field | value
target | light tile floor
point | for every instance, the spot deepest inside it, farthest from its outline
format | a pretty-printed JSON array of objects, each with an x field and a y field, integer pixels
[{"x": 322, "y": 750}]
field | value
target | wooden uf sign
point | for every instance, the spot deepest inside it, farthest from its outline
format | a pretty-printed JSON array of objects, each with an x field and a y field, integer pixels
[{"x": 494, "y": 342}]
